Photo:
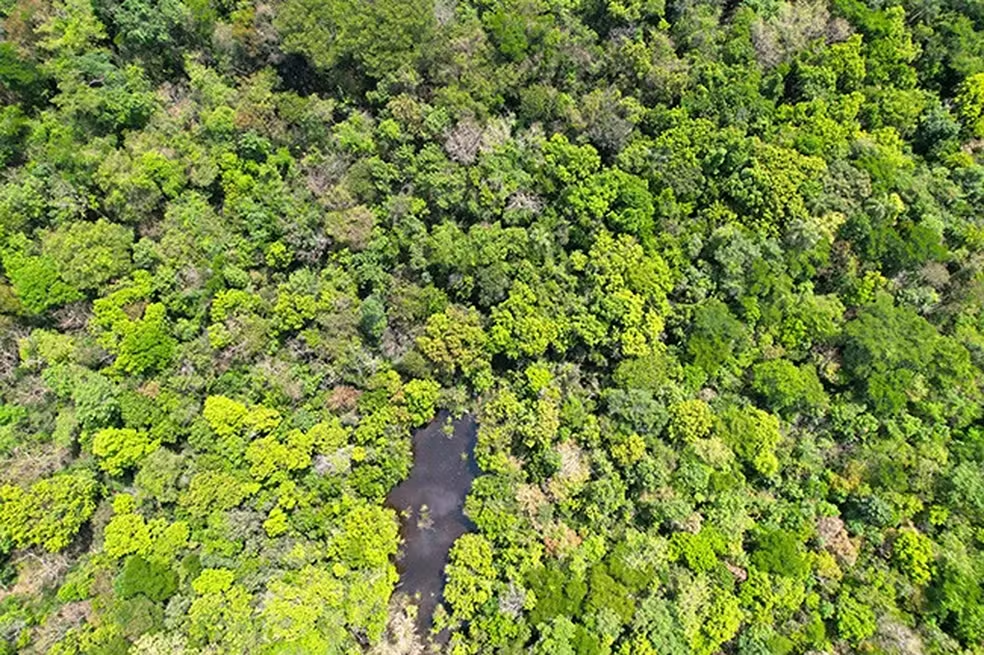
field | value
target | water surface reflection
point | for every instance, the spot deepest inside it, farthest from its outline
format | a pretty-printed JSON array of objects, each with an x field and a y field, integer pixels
[{"x": 431, "y": 506}]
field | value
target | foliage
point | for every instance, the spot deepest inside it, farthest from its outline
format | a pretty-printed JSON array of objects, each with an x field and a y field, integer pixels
[
  {"x": 777, "y": 551},
  {"x": 50, "y": 512},
  {"x": 913, "y": 552},
  {"x": 140, "y": 576},
  {"x": 121, "y": 448},
  {"x": 754, "y": 436},
  {"x": 332, "y": 32},
  {"x": 706, "y": 276},
  {"x": 470, "y": 575}
]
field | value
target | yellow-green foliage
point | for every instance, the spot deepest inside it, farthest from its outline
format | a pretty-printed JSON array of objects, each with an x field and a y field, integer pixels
[
  {"x": 119, "y": 449},
  {"x": 50, "y": 512}
]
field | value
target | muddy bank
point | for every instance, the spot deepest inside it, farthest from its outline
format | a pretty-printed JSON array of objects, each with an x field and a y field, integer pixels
[{"x": 431, "y": 506}]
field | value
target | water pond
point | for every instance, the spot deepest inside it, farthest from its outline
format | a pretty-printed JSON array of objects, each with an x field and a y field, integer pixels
[{"x": 431, "y": 506}]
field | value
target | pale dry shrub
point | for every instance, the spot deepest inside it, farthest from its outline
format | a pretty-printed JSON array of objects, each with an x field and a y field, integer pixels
[
  {"x": 463, "y": 141},
  {"x": 68, "y": 616},
  {"x": 351, "y": 227},
  {"x": 896, "y": 638},
  {"x": 833, "y": 537},
  {"x": 525, "y": 201},
  {"x": 560, "y": 539},
  {"x": 789, "y": 31},
  {"x": 400, "y": 637},
  {"x": 532, "y": 501},
  {"x": 159, "y": 643},
  {"x": 512, "y": 601},
  {"x": 29, "y": 464},
  {"x": 572, "y": 473}
]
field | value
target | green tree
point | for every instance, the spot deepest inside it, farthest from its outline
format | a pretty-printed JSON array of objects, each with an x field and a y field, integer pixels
[
  {"x": 454, "y": 340},
  {"x": 778, "y": 551},
  {"x": 88, "y": 255},
  {"x": 627, "y": 293},
  {"x": 220, "y": 615},
  {"x": 368, "y": 537},
  {"x": 35, "y": 278},
  {"x": 690, "y": 420},
  {"x": 753, "y": 435},
  {"x": 146, "y": 345},
  {"x": 605, "y": 594},
  {"x": 787, "y": 388},
  {"x": 119, "y": 449},
  {"x": 970, "y": 104},
  {"x": 305, "y": 610},
  {"x": 470, "y": 575},
  {"x": 522, "y": 325},
  {"x": 421, "y": 398},
  {"x": 855, "y": 619},
  {"x": 151, "y": 579},
  {"x": 716, "y": 337},
  {"x": 50, "y": 512},
  {"x": 912, "y": 551},
  {"x": 127, "y": 532},
  {"x": 709, "y": 616},
  {"x": 558, "y": 637},
  {"x": 558, "y": 592},
  {"x": 894, "y": 355},
  {"x": 383, "y": 37},
  {"x": 160, "y": 474}
]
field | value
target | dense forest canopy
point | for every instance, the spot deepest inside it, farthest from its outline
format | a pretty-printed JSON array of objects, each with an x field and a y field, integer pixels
[{"x": 710, "y": 275}]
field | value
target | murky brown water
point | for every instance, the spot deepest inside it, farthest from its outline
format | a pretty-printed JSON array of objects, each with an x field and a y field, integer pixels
[{"x": 431, "y": 506}]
